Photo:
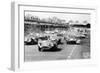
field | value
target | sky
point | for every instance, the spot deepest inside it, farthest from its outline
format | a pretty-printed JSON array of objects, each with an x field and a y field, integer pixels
[{"x": 66, "y": 16}]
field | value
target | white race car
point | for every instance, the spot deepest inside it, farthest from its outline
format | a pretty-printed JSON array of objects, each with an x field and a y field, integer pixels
[
  {"x": 73, "y": 41},
  {"x": 45, "y": 44}
]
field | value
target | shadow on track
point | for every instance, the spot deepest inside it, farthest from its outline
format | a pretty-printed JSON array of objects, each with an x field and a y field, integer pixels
[{"x": 53, "y": 50}]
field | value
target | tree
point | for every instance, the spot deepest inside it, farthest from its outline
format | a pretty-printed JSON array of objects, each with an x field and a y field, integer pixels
[
  {"x": 85, "y": 22},
  {"x": 76, "y": 21},
  {"x": 70, "y": 21}
]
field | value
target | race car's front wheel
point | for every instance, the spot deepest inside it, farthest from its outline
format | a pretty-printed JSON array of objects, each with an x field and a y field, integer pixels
[{"x": 40, "y": 49}]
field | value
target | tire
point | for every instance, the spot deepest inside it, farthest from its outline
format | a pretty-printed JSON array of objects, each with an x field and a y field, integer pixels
[
  {"x": 55, "y": 46},
  {"x": 40, "y": 49},
  {"x": 78, "y": 41}
]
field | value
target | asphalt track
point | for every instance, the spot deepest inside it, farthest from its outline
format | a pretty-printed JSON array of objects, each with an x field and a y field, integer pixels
[{"x": 64, "y": 52}]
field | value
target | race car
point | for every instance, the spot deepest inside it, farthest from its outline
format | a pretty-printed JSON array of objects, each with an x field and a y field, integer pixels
[
  {"x": 45, "y": 44},
  {"x": 31, "y": 41},
  {"x": 72, "y": 40}
]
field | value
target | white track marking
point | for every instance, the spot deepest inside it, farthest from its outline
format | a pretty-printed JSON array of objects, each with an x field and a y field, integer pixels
[{"x": 70, "y": 54}]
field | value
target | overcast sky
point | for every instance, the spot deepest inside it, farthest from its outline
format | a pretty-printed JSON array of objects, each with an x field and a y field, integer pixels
[{"x": 65, "y": 16}]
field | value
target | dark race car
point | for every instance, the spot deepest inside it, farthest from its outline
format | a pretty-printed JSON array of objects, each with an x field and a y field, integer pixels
[{"x": 31, "y": 41}]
